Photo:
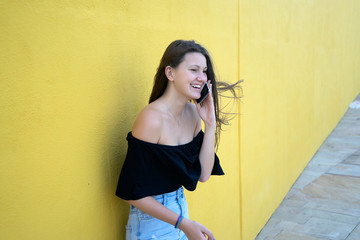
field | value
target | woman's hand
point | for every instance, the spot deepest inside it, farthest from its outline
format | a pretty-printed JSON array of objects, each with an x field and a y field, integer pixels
[
  {"x": 206, "y": 109},
  {"x": 195, "y": 231}
]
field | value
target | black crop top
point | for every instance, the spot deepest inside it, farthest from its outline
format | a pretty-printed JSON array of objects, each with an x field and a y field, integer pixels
[{"x": 152, "y": 169}]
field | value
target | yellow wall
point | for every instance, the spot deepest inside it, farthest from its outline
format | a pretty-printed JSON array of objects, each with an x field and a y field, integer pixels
[
  {"x": 74, "y": 75},
  {"x": 301, "y": 65}
]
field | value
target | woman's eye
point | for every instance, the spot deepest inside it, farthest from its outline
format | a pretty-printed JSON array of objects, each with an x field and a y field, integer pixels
[{"x": 194, "y": 70}]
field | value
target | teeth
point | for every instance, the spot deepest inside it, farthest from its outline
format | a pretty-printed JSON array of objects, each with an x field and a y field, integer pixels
[{"x": 196, "y": 86}]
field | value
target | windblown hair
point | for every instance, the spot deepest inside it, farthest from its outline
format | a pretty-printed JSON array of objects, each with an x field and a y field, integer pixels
[{"x": 173, "y": 56}]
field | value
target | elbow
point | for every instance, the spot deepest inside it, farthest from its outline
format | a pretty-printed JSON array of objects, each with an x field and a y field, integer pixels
[
  {"x": 203, "y": 178},
  {"x": 131, "y": 202}
]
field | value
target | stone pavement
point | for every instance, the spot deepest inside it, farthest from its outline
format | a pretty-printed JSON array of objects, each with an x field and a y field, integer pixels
[{"x": 324, "y": 203}]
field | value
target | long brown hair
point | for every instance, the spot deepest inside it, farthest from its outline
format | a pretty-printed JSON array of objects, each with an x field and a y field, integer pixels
[{"x": 173, "y": 56}]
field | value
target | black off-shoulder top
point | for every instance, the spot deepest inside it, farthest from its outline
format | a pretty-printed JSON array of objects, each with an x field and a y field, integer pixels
[{"x": 152, "y": 169}]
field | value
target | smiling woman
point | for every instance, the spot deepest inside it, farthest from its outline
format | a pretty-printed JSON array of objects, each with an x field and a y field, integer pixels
[
  {"x": 173, "y": 57},
  {"x": 167, "y": 149}
]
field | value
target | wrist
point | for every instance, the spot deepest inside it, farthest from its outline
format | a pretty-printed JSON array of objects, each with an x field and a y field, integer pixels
[
  {"x": 210, "y": 128},
  {"x": 184, "y": 224},
  {"x": 179, "y": 220}
]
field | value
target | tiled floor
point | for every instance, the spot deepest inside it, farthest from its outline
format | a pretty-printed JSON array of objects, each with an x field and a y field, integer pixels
[{"x": 324, "y": 203}]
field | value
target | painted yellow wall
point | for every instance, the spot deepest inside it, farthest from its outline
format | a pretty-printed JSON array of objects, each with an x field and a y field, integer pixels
[
  {"x": 74, "y": 75},
  {"x": 300, "y": 61}
]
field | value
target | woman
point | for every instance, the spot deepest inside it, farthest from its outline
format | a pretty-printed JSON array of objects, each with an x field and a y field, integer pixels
[{"x": 167, "y": 148}]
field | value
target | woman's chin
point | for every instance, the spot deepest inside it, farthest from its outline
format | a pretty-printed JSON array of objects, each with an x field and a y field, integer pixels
[{"x": 195, "y": 98}]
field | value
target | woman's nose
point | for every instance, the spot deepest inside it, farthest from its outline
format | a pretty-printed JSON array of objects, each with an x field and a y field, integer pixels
[{"x": 202, "y": 77}]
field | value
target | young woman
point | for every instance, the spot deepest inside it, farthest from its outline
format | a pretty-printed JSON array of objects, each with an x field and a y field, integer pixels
[{"x": 167, "y": 149}]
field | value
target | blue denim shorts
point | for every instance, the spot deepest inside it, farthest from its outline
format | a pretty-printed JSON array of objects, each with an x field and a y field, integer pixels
[{"x": 142, "y": 226}]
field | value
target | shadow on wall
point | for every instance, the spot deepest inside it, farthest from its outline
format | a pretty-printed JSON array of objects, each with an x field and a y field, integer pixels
[
  {"x": 129, "y": 102},
  {"x": 115, "y": 154}
]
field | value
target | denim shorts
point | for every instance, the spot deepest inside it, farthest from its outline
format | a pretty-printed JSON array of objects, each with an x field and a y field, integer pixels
[{"x": 142, "y": 226}]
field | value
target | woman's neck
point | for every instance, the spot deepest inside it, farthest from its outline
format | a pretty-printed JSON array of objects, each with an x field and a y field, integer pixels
[
  {"x": 174, "y": 104},
  {"x": 175, "y": 107}
]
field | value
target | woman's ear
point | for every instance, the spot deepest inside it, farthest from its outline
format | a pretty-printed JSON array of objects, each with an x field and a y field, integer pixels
[{"x": 169, "y": 73}]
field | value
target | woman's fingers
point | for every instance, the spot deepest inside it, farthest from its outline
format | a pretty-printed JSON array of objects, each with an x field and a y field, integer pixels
[
  {"x": 195, "y": 231},
  {"x": 209, "y": 234}
]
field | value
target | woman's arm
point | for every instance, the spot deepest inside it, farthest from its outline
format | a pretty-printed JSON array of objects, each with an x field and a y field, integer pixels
[
  {"x": 193, "y": 230},
  {"x": 207, "y": 157},
  {"x": 152, "y": 207}
]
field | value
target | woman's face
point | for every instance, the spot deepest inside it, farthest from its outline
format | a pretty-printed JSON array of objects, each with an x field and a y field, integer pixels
[{"x": 189, "y": 76}]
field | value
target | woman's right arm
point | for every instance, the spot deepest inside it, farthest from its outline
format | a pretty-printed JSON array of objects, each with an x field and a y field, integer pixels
[{"x": 193, "y": 230}]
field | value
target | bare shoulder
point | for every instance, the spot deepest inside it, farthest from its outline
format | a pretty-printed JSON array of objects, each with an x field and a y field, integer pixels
[
  {"x": 195, "y": 117},
  {"x": 147, "y": 126}
]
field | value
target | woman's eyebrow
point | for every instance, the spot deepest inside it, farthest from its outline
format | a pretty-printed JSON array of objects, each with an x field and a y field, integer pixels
[{"x": 195, "y": 65}]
